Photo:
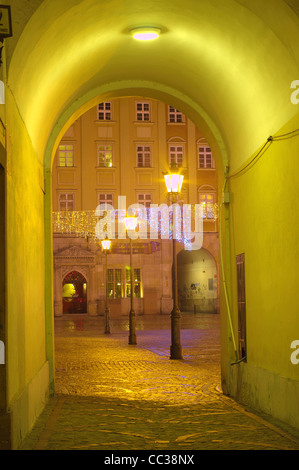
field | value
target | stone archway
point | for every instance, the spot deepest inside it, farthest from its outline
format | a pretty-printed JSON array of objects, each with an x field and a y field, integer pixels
[
  {"x": 189, "y": 62},
  {"x": 74, "y": 293}
]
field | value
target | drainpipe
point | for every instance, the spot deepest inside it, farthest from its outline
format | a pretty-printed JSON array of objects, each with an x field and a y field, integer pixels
[{"x": 223, "y": 273}]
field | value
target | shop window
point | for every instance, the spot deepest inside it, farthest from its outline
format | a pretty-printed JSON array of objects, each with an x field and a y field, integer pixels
[
  {"x": 137, "y": 282},
  {"x": 114, "y": 284}
]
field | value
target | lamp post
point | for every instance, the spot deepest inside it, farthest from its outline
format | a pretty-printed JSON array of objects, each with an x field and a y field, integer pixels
[
  {"x": 106, "y": 243},
  {"x": 131, "y": 223},
  {"x": 174, "y": 181}
]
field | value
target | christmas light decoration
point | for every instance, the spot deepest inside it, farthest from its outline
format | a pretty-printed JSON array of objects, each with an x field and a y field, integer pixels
[{"x": 162, "y": 222}]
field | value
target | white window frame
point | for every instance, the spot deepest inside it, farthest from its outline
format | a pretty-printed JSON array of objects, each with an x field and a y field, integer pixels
[
  {"x": 205, "y": 157},
  {"x": 105, "y": 198},
  {"x": 204, "y": 194},
  {"x": 143, "y": 155},
  {"x": 175, "y": 116},
  {"x": 176, "y": 153},
  {"x": 104, "y": 111},
  {"x": 107, "y": 149},
  {"x": 65, "y": 157},
  {"x": 68, "y": 199},
  {"x": 143, "y": 114},
  {"x": 142, "y": 198}
]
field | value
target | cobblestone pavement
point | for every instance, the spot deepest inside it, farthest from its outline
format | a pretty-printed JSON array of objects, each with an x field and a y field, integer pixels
[{"x": 114, "y": 396}]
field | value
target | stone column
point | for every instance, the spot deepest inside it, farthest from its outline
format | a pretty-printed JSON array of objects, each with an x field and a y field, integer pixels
[
  {"x": 58, "y": 302},
  {"x": 91, "y": 292}
]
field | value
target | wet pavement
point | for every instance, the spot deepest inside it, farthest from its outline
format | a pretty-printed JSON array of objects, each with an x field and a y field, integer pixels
[{"x": 112, "y": 396}]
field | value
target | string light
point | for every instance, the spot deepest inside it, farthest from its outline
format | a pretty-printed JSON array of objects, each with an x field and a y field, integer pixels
[{"x": 162, "y": 222}]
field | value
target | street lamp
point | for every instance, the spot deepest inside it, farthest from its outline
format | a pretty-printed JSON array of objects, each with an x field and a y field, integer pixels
[
  {"x": 174, "y": 181},
  {"x": 131, "y": 223},
  {"x": 106, "y": 243}
]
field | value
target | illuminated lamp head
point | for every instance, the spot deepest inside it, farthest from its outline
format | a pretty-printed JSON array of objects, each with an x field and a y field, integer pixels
[
  {"x": 131, "y": 222},
  {"x": 145, "y": 33},
  {"x": 174, "y": 180},
  {"x": 106, "y": 243}
]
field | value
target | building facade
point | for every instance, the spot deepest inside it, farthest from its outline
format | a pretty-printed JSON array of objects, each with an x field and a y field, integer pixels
[{"x": 117, "y": 153}]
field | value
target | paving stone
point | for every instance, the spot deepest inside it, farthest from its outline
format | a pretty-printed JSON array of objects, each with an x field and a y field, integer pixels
[{"x": 115, "y": 396}]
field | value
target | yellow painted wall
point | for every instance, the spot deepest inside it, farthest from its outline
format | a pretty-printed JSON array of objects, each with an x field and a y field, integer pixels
[
  {"x": 28, "y": 377},
  {"x": 264, "y": 225}
]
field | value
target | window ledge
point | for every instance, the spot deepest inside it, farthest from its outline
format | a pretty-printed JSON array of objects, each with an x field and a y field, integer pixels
[
  {"x": 176, "y": 123},
  {"x": 146, "y": 123},
  {"x": 105, "y": 168},
  {"x": 206, "y": 169},
  {"x": 144, "y": 167},
  {"x": 99, "y": 121}
]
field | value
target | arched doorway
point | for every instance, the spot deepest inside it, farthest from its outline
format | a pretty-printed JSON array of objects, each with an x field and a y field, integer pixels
[
  {"x": 74, "y": 293},
  {"x": 197, "y": 281}
]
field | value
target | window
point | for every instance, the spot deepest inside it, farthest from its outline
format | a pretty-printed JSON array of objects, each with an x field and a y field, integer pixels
[
  {"x": 137, "y": 282},
  {"x": 143, "y": 111},
  {"x": 205, "y": 157},
  {"x": 66, "y": 202},
  {"x": 174, "y": 115},
  {"x": 106, "y": 198},
  {"x": 66, "y": 155},
  {"x": 143, "y": 156},
  {"x": 240, "y": 259},
  {"x": 114, "y": 290},
  {"x": 207, "y": 200},
  {"x": 176, "y": 154},
  {"x": 104, "y": 111},
  {"x": 105, "y": 155},
  {"x": 145, "y": 199}
]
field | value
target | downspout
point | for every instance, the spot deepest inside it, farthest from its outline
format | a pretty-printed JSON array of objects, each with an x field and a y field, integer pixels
[{"x": 223, "y": 271}]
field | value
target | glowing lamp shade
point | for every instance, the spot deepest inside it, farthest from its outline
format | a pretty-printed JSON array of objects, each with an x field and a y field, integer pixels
[
  {"x": 130, "y": 222},
  {"x": 106, "y": 243},
  {"x": 145, "y": 34},
  {"x": 174, "y": 182}
]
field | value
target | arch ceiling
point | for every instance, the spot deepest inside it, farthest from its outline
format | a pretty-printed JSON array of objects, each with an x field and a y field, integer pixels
[{"x": 229, "y": 61}]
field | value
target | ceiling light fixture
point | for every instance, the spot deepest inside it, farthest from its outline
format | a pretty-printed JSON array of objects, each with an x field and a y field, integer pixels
[{"x": 145, "y": 33}]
